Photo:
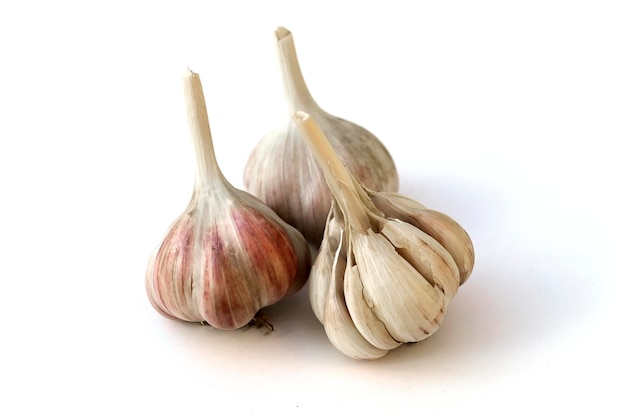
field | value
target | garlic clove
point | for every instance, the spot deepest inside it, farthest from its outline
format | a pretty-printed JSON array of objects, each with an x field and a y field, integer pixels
[
  {"x": 425, "y": 254},
  {"x": 401, "y": 297},
  {"x": 343, "y": 334},
  {"x": 399, "y": 275},
  {"x": 228, "y": 255},
  {"x": 364, "y": 312},
  {"x": 281, "y": 170},
  {"x": 436, "y": 224},
  {"x": 339, "y": 324},
  {"x": 332, "y": 265}
]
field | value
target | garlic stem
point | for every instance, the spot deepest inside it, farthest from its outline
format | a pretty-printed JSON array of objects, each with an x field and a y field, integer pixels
[
  {"x": 296, "y": 92},
  {"x": 340, "y": 181},
  {"x": 207, "y": 170}
]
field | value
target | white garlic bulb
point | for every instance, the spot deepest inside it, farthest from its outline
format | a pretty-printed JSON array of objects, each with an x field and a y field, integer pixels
[
  {"x": 228, "y": 255},
  {"x": 281, "y": 170},
  {"x": 387, "y": 267}
]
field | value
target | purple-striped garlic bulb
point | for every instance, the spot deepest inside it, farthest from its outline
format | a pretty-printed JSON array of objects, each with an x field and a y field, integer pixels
[
  {"x": 228, "y": 255},
  {"x": 281, "y": 170}
]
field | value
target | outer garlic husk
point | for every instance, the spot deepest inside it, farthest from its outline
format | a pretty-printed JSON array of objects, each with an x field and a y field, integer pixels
[
  {"x": 387, "y": 267},
  {"x": 281, "y": 170},
  {"x": 228, "y": 255}
]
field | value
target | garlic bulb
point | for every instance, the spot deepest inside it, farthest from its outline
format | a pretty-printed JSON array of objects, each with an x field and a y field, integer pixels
[
  {"x": 228, "y": 255},
  {"x": 281, "y": 170},
  {"x": 387, "y": 267}
]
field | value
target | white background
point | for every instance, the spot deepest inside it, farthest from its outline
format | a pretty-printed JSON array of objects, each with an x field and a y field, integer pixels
[{"x": 509, "y": 116}]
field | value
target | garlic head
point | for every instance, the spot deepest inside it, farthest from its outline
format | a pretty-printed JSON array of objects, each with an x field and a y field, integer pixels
[
  {"x": 387, "y": 267},
  {"x": 228, "y": 255},
  {"x": 283, "y": 173}
]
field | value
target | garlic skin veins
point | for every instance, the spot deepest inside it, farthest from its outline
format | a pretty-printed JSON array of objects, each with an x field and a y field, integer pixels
[
  {"x": 281, "y": 170},
  {"x": 228, "y": 255},
  {"x": 387, "y": 266}
]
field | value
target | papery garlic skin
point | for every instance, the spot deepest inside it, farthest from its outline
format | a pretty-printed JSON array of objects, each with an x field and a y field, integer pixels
[
  {"x": 387, "y": 266},
  {"x": 228, "y": 255},
  {"x": 281, "y": 170}
]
